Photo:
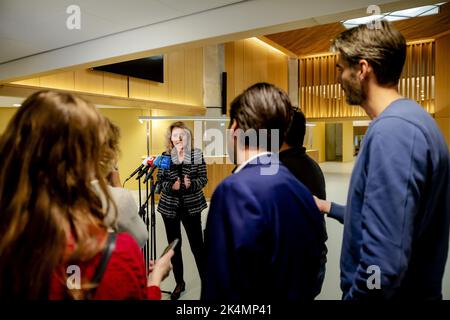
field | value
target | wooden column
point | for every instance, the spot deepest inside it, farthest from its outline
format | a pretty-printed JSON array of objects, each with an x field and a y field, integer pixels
[
  {"x": 442, "y": 89},
  {"x": 318, "y": 140},
  {"x": 347, "y": 141}
]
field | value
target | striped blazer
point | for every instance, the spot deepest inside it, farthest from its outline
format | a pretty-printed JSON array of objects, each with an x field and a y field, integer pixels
[{"x": 193, "y": 198}]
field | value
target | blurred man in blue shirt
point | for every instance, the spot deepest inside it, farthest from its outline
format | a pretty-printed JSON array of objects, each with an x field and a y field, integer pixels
[{"x": 396, "y": 221}]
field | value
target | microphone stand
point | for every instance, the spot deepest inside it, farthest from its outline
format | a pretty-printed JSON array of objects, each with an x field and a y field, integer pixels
[
  {"x": 150, "y": 247},
  {"x": 146, "y": 224},
  {"x": 153, "y": 219}
]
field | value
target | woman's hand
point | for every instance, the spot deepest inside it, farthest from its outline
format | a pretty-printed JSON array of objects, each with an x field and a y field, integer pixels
[
  {"x": 160, "y": 269},
  {"x": 114, "y": 178},
  {"x": 176, "y": 185},
  {"x": 187, "y": 182}
]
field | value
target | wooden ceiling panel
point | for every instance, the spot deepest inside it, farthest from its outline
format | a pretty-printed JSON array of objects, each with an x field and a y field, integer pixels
[{"x": 317, "y": 39}]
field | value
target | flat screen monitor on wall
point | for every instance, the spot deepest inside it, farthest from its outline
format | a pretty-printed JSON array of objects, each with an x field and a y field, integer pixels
[{"x": 151, "y": 68}]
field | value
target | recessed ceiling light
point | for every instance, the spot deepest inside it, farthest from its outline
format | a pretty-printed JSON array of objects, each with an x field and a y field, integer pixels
[
  {"x": 362, "y": 20},
  {"x": 435, "y": 10},
  {"x": 395, "y": 16},
  {"x": 413, "y": 12},
  {"x": 141, "y": 119}
]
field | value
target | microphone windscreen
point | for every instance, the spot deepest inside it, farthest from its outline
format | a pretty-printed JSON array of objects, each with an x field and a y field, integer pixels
[
  {"x": 164, "y": 162},
  {"x": 148, "y": 161}
]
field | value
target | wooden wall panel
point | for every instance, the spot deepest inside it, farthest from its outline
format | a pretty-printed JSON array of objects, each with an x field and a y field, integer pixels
[
  {"x": 231, "y": 70},
  {"x": 115, "y": 85},
  {"x": 6, "y": 113},
  {"x": 318, "y": 142},
  {"x": 183, "y": 81},
  {"x": 248, "y": 65},
  {"x": 443, "y": 77},
  {"x": 444, "y": 125},
  {"x": 160, "y": 91},
  {"x": 443, "y": 86},
  {"x": 62, "y": 80},
  {"x": 239, "y": 84},
  {"x": 216, "y": 173},
  {"x": 35, "y": 82},
  {"x": 249, "y": 61},
  {"x": 260, "y": 62},
  {"x": 193, "y": 83},
  {"x": 88, "y": 81},
  {"x": 176, "y": 76},
  {"x": 139, "y": 88}
]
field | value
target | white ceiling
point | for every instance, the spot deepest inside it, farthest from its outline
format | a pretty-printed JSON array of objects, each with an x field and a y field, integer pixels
[
  {"x": 34, "y": 39},
  {"x": 32, "y": 27}
]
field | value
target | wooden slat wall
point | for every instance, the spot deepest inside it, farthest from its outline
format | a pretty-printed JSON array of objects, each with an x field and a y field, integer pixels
[
  {"x": 322, "y": 97},
  {"x": 183, "y": 81},
  {"x": 417, "y": 80},
  {"x": 248, "y": 62}
]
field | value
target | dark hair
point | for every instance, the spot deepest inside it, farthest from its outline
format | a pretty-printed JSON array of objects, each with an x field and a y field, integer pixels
[
  {"x": 50, "y": 152},
  {"x": 296, "y": 132},
  {"x": 262, "y": 106},
  {"x": 381, "y": 45}
]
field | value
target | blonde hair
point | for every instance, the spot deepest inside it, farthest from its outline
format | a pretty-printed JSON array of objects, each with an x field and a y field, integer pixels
[
  {"x": 50, "y": 152},
  {"x": 181, "y": 125}
]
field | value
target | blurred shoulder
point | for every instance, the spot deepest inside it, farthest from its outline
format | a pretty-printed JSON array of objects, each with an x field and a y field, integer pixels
[{"x": 127, "y": 245}]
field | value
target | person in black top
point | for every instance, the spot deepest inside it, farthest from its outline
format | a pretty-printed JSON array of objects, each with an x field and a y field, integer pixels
[
  {"x": 293, "y": 155},
  {"x": 305, "y": 169}
]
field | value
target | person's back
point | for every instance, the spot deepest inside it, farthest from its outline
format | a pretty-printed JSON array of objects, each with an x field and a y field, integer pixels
[
  {"x": 264, "y": 238},
  {"x": 305, "y": 170},
  {"x": 128, "y": 219},
  {"x": 421, "y": 243},
  {"x": 294, "y": 156}
]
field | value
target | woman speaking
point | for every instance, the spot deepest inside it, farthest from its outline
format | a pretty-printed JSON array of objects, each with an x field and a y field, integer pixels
[{"x": 182, "y": 198}]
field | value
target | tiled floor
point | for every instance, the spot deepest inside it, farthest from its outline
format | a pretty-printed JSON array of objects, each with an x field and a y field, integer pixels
[{"x": 337, "y": 176}]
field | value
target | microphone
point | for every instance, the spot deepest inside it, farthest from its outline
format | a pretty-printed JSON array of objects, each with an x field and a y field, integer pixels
[
  {"x": 144, "y": 163},
  {"x": 138, "y": 169},
  {"x": 147, "y": 163},
  {"x": 143, "y": 171},
  {"x": 162, "y": 162}
]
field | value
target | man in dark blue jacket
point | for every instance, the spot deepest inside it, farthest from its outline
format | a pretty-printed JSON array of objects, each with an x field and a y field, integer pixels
[
  {"x": 264, "y": 236},
  {"x": 396, "y": 222}
]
